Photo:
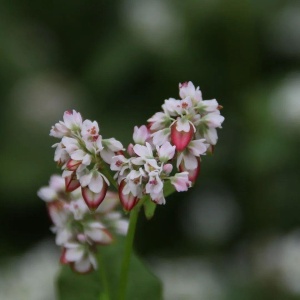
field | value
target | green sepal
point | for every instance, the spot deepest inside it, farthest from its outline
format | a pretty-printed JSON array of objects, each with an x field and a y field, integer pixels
[{"x": 149, "y": 208}]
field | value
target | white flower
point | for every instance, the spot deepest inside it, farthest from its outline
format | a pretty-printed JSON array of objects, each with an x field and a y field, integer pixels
[
  {"x": 159, "y": 121},
  {"x": 170, "y": 107},
  {"x": 72, "y": 121},
  {"x": 181, "y": 181},
  {"x": 165, "y": 152},
  {"x": 161, "y": 136},
  {"x": 90, "y": 130},
  {"x": 155, "y": 185},
  {"x": 213, "y": 120},
  {"x": 81, "y": 258},
  {"x": 207, "y": 106},
  {"x": 53, "y": 191},
  {"x": 159, "y": 198},
  {"x": 93, "y": 179},
  {"x": 145, "y": 152},
  {"x": 61, "y": 155},
  {"x": 97, "y": 233},
  {"x": 189, "y": 156},
  {"x": 187, "y": 89},
  {"x": 141, "y": 134},
  {"x": 110, "y": 147}
]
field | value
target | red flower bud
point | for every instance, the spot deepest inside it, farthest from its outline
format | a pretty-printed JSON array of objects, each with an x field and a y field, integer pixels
[
  {"x": 128, "y": 201},
  {"x": 93, "y": 200},
  {"x": 71, "y": 182},
  {"x": 181, "y": 138}
]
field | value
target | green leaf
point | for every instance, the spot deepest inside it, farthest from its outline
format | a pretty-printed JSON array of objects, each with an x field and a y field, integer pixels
[
  {"x": 168, "y": 188},
  {"x": 142, "y": 284},
  {"x": 149, "y": 208}
]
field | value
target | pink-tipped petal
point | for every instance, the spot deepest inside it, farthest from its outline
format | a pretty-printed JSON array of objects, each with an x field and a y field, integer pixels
[
  {"x": 128, "y": 201},
  {"x": 72, "y": 164},
  {"x": 181, "y": 138},
  {"x": 93, "y": 200},
  {"x": 72, "y": 183},
  {"x": 193, "y": 174}
]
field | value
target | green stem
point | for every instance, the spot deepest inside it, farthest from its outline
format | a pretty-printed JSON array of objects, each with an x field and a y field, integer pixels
[
  {"x": 127, "y": 253},
  {"x": 105, "y": 295}
]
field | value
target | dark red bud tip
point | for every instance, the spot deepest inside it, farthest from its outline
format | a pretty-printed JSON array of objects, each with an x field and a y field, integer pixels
[
  {"x": 93, "y": 200},
  {"x": 71, "y": 183},
  {"x": 128, "y": 201},
  {"x": 184, "y": 84},
  {"x": 181, "y": 138}
]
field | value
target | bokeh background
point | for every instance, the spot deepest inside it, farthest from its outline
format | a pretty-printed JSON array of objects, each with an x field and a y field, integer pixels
[{"x": 236, "y": 235}]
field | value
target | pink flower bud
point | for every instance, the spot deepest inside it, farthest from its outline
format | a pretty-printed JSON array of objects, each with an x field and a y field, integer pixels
[
  {"x": 71, "y": 182},
  {"x": 128, "y": 201},
  {"x": 93, "y": 200},
  {"x": 181, "y": 138},
  {"x": 193, "y": 174},
  {"x": 168, "y": 168}
]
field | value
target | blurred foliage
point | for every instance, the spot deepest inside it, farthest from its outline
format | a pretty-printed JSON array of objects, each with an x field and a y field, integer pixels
[
  {"x": 116, "y": 62},
  {"x": 142, "y": 284}
]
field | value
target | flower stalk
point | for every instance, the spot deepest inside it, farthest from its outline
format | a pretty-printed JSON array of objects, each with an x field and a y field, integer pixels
[{"x": 127, "y": 253}]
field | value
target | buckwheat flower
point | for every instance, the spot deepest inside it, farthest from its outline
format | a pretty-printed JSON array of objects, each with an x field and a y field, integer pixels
[
  {"x": 54, "y": 190},
  {"x": 110, "y": 147},
  {"x": 80, "y": 256},
  {"x": 165, "y": 152},
  {"x": 60, "y": 218},
  {"x": 181, "y": 181},
  {"x": 90, "y": 131},
  {"x": 187, "y": 89},
  {"x": 155, "y": 185},
  {"x": 94, "y": 187},
  {"x": 77, "y": 208},
  {"x": 128, "y": 200},
  {"x": 159, "y": 120},
  {"x": 189, "y": 156},
  {"x": 145, "y": 152},
  {"x": 61, "y": 156},
  {"x": 159, "y": 198},
  {"x": 161, "y": 136},
  {"x": 141, "y": 135},
  {"x": 120, "y": 164},
  {"x": 207, "y": 106},
  {"x": 97, "y": 233},
  {"x": 72, "y": 121},
  {"x": 114, "y": 221}
]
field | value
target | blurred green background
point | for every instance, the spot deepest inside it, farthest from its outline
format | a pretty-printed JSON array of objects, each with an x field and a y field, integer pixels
[{"x": 236, "y": 234}]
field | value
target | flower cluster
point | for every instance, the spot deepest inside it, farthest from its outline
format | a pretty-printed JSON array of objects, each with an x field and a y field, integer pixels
[
  {"x": 78, "y": 231},
  {"x": 190, "y": 125},
  {"x": 145, "y": 172},
  {"x": 169, "y": 148},
  {"x": 82, "y": 154}
]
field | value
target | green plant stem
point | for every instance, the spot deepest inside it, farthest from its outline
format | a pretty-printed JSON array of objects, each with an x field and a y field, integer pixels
[
  {"x": 127, "y": 253},
  {"x": 105, "y": 295}
]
